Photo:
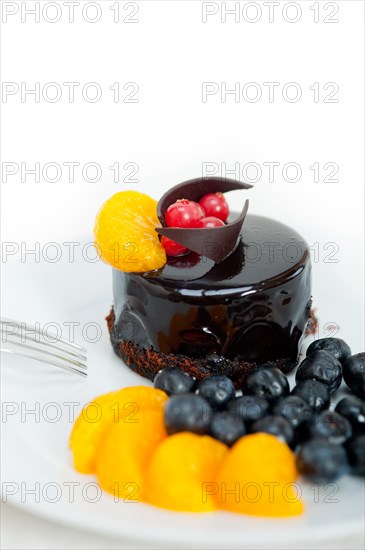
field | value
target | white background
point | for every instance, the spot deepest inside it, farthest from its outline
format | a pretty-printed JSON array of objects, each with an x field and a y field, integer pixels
[{"x": 170, "y": 132}]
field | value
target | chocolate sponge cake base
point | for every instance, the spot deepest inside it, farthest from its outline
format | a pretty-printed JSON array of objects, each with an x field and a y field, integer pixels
[{"x": 147, "y": 362}]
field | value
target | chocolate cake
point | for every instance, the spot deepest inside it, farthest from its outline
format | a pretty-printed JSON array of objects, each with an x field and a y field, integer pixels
[{"x": 209, "y": 317}]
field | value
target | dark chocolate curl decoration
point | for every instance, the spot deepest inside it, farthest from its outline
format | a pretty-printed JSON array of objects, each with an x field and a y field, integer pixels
[
  {"x": 193, "y": 190},
  {"x": 214, "y": 243}
]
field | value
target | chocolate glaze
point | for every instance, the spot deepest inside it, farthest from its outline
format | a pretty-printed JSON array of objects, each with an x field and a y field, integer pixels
[{"x": 253, "y": 306}]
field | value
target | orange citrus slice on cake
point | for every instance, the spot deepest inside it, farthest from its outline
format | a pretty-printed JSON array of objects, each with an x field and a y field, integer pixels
[{"x": 125, "y": 235}]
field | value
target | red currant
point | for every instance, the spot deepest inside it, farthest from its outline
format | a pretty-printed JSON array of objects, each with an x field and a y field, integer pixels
[
  {"x": 214, "y": 204},
  {"x": 173, "y": 248},
  {"x": 183, "y": 213},
  {"x": 210, "y": 221}
]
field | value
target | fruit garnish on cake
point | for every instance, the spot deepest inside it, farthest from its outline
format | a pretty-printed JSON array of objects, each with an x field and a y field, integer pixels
[
  {"x": 200, "y": 222},
  {"x": 127, "y": 224},
  {"x": 125, "y": 235}
]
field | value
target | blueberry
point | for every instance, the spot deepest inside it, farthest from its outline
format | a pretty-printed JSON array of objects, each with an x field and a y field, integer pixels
[
  {"x": 331, "y": 426},
  {"x": 323, "y": 367},
  {"x": 275, "y": 425},
  {"x": 356, "y": 455},
  {"x": 321, "y": 461},
  {"x": 267, "y": 382},
  {"x": 353, "y": 408},
  {"x": 294, "y": 409},
  {"x": 217, "y": 390},
  {"x": 173, "y": 381},
  {"x": 354, "y": 374},
  {"x": 188, "y": 413},
  {"x": 335, "y": 346},
  {"x": 227, "y": 428},
  {"x": 248, "y": 407},
  {"x": 314, "y": 393}
]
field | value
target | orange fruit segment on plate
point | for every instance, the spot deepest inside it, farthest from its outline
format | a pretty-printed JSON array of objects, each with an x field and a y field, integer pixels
[
  {"x": 96, "y": 417},
  {"x": 181, "y": 472},
  {"x": 123, "y": 457},
  {"x": 125, "y": 235},
  {"x": 256, "y": 478}
]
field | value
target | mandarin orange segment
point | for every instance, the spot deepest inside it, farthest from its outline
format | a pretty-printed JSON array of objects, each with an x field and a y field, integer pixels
[
  {"x": 125, "y": 235},
  {"x": 263, "y": 454},
  {"x": 181, "y": 470},
  {"x": 261, "y": 498},
  {"x": 123, "y": 457},
  {"x": 87, "y": 430},
  {"x": 96, "y": 417},
  {"x": 256, "y": 478}
]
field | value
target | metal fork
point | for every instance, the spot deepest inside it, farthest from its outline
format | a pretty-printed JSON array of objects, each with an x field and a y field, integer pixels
[{"x": 19, "y": 338}]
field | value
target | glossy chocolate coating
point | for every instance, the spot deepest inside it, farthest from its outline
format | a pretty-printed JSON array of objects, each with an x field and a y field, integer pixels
[{"x": 255, "y": 304}]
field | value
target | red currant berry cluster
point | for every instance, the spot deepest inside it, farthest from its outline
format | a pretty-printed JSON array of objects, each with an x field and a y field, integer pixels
[{"x": 211, "y": 211}]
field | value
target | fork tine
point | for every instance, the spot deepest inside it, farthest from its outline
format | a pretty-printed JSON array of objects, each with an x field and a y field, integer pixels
[
  {"x": 51, "y": 361},
  {"x": 48, "y": 353},
  {"x": 69, "y": 355},
  {"x": 32, "y": 328},
  {"x": 33, "y": 337}
]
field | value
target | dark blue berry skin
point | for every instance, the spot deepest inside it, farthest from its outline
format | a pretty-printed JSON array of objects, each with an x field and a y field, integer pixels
[
  {"x": 323, "y": 367},
  {"x": 321, "y": 461},
  {"x": 217, "y": 390},
  {"x": 331, "y": 426},
  {"x": 248, "y": 408},
  {"x": 314, "y": 393},
  {"x": 295, "y": 410},
  {"x": 275, "y": 425},
  {"x": 353, "y": 408},
  {"x": 356, "y": 455},
  {"x": 335, "y": 346},
  {"x": 173, "y": 381},
  {"x": 266, "y": 382},
  {"x": 188, "y": 413},
  {"x": 354, "y": 374},
  {"x": 227, "y": 428}
]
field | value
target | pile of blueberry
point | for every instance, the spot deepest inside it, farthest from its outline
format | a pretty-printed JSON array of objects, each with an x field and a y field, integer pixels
[{"x": 328, "y": 443}]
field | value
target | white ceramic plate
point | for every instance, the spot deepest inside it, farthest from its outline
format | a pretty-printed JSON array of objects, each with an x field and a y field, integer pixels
[{"x": 36, "y": 464}]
